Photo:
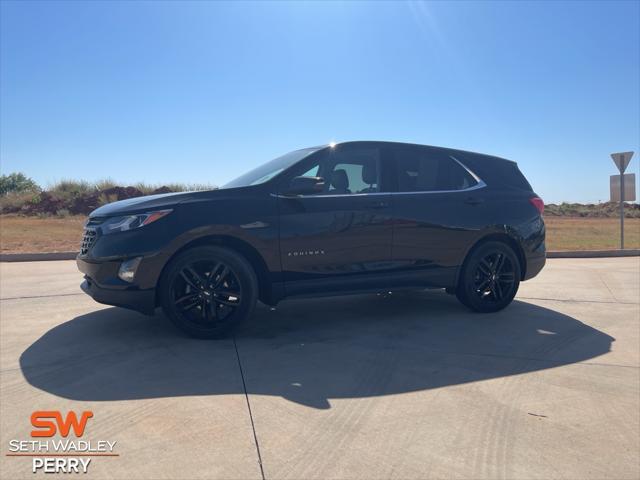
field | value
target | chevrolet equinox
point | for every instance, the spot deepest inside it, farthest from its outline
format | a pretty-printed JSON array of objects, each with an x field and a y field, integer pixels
[{"x": 330, "y": 220}]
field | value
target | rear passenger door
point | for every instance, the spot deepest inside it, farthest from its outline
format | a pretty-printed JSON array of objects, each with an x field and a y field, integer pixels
[{"x": 438, "y": 211}]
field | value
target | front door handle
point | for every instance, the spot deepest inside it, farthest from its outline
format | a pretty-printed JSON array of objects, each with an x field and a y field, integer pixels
[
  {"x": 377, "y": 205},
  {"x": 473, "y": 201}
]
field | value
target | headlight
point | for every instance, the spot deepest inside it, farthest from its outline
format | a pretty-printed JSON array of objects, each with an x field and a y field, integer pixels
[{"x": 129, "y": 222}]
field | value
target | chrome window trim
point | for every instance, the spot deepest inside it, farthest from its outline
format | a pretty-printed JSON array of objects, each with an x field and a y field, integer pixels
[
  {"x": 480, "y": 184},
  {"x": 279, "y": 195},
  {"x": 475, "y": 177}
]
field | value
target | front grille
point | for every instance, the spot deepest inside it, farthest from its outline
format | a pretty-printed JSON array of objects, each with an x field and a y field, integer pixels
[{"x": 88, "y": 239}]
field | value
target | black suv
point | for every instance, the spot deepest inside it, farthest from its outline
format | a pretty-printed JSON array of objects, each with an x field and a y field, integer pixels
[{"x": 335, "y": 219}]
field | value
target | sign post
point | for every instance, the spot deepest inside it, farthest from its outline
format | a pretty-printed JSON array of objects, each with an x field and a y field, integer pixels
[{"x": 622, "y": 161}]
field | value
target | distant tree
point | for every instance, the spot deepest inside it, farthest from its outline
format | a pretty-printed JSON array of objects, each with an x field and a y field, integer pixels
[{"x": 17, "y": 182}]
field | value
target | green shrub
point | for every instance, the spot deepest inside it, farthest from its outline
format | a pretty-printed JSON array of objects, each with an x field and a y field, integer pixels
[
  {"x": 590, "y": 210},
  {"x": 148, "y": 189},
  {"x": 71, "y": 197},
  {"x": 145, "y": 188},
  {"x": 190, "y": 187},
  {"x": 70, "y": 188},
  {"x": 17, "y": 182},
  {"x": 104, "y": 198},
  {"x": 14, "y": 202},
  {"x": 105, "y": 184}
]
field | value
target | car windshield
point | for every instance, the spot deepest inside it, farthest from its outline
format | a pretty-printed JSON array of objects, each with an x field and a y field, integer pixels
[{"x": 270, "y": 169}]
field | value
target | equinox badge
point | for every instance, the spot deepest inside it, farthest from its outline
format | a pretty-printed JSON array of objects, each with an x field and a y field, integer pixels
[{"x": 304, "y": 253}]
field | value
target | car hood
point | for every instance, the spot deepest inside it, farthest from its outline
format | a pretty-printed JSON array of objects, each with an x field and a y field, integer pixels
[{"x": 143, "y": 204}]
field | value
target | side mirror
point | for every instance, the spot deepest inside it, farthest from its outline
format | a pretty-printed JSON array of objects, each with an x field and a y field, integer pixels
[{"x": 305, "y": 185}]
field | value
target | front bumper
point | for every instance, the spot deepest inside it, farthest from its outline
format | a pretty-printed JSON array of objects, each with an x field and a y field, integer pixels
[{"x": 103, "y": 285}]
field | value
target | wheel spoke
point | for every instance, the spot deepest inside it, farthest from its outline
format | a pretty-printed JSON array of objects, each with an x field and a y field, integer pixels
[
  {"x": 187, "y": 279},
  {"x": 499, "y": 264},
  {"x": 219, "y": 281},
  {"x": 202, "y": 281},
  {"x": 228, "y": 293},
  {"x": 211, "y": 273},
  {"x": 185, "y": 298},
  {"x": 506, "y": 277},
  {"x": 192, "y": 277},
  {"x": 229, "y": 303},
  {"x": 480, "y": 288},
  {"x": 484, "y": 267},
  {"x": 497, "y": 291},
  {"x": 193, "y": 304}
]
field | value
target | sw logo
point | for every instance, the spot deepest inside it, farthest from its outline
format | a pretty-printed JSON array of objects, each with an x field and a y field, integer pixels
[
  {"x": 49, "y": 422},
  {"x": 62, "y": 454},
  {"x": 46, "y": 427}
]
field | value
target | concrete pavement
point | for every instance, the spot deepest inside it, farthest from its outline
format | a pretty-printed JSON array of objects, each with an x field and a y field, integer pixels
[{"x": 409, "y": 385}]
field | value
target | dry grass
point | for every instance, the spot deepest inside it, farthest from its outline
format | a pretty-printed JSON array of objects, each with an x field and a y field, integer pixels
[
  {"x": 571, "y": 233},
  {"x": 36, "y": 234},
  {"x": 53, "y": 234}
]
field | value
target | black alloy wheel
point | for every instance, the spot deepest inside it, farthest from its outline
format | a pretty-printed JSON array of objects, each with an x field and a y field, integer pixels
[
  {"x": 490, "y": 278},
  {"x": 207, "y": 291},
  {"x": 494, "y": 277}
]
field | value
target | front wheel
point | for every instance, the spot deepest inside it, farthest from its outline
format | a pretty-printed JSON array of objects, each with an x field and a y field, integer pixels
[
  {"x": 490, "y": 278},
  {"x": 208, "y": 291}
]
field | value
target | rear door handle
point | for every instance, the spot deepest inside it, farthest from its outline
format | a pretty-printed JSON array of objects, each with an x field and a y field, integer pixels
[{"x": 473, "y": 201}]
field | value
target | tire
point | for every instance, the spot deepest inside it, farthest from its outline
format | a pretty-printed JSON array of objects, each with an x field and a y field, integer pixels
[
  {"x": 208, "y": 291},
  {"x": 490, "y": 278}
]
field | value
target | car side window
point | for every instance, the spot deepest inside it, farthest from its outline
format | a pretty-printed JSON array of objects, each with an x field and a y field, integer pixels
[
  {"x": 312, "y": 172},
  {"x": 355, "y": 174},
  {"x": 425, "y": 170},
  {"x": 347, "y": 170}
]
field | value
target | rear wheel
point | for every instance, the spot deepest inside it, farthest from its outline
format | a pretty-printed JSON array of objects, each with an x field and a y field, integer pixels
[
  {"x": 208, "y": 291},
  {"x": 490, "y": 278}
]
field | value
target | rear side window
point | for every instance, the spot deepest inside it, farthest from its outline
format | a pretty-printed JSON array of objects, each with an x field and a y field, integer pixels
[
  {"x": 426, "y": 170},
  {"x": 509, "y": 174},
  {"x": 496, "y": 172}
]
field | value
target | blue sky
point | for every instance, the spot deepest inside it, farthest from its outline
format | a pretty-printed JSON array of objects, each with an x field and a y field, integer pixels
[{"x": 201, "y": 92}]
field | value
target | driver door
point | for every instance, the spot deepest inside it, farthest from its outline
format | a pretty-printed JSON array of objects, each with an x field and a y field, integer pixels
[{"x": 338, "y": 238}]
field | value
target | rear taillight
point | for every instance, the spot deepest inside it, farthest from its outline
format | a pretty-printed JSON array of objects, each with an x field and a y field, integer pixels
[{"x": 538, "y": 203}]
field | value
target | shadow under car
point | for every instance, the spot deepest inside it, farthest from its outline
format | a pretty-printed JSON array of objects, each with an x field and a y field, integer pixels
[{"x": 308, "y": 351}]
